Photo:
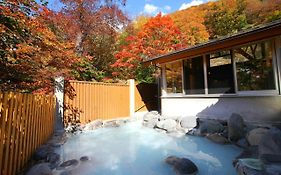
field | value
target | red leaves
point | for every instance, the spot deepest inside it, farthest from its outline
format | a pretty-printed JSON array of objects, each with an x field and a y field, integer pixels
[{"x": 158, "y": 36}]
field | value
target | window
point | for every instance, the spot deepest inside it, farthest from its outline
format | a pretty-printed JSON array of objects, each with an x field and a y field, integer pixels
[
  {"x": 194, "y": 76},
  {"x": 254, "y": 67},
  {"x": 174, "y": 77},
  {"x": 220, "y": 73}
]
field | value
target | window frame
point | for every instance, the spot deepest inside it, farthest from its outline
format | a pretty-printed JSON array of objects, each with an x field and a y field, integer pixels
[
  {"x": 276, "y": 65},
  {"x": 164, "y": 84}
]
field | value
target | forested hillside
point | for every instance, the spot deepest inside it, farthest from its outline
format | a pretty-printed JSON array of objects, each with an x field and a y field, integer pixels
[{"x": 94, "y": 40}]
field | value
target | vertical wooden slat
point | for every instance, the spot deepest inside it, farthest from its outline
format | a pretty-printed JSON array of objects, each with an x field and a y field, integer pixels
[
  {"x": 16, "y": 131},
  {"x": 100, "y": 100},
  {"x": 23, "y": 130},
  {"x": 28, "y": 141},
  {"x": 22, "y": 119},
  {"x": 3, "y": 124},
  {"x": 9, "y": 129}
]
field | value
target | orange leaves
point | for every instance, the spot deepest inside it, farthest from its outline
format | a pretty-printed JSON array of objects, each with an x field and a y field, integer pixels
[
  {"x": 32, "y": 53},
  {"x": 157, "y": 36},
  {"x": 191, "y": 23}
]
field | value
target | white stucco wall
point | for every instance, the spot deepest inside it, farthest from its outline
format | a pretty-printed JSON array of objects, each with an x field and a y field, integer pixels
[{"x": 253, "y": 109}]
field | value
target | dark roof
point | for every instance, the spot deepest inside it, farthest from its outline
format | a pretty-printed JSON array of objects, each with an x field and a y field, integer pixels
[{"x": 261, "y": 32}]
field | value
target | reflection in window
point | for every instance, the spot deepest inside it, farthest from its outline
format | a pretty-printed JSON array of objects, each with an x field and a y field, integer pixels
[
  {"x": 220, "y": 73},
  {"x": 254, "y": 67},
  {"x": 174, "y": 77},
  {"x": 194, "y": 76}
]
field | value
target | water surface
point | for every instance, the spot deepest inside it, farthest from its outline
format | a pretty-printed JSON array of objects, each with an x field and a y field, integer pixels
[{"x": 136, "y": 150}]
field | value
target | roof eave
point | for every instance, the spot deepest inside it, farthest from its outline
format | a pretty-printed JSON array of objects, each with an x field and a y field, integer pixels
[{"x": 261, "y": 33}]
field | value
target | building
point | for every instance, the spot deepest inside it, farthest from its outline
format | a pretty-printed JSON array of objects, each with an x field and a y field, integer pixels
[{"x": 235, "y": 74}]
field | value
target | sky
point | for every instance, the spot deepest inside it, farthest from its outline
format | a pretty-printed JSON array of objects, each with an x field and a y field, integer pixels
[{"x": 148, "y": 7}]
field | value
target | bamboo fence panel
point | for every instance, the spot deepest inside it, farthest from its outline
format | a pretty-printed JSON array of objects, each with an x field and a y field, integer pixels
[
  {"x": 26, "y": 122},
  {"x": 98, "y": 101}
]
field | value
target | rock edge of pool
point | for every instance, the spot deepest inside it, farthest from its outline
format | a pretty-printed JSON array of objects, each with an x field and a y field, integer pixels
[{"x": 260, "y": 145}]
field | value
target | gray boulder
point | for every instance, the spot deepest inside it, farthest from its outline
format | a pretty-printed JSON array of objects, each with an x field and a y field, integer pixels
[
  {"x": 249, "y": 152},
  {"x": 270, "y": 146},
  {"x": 42, "y": 152},
  {"x": 243, "y": 143},
  {"x": 111, "y": 124},
  {"x": 254, "y": 136},
  {"x": 273, "y": 169},
  {"x": 40, "y": 169},
  {"x": 250, "y": 167},
  {"x": 188, "y": 122},
  {"x": 68, "y": 164},
  {"x": 58, "y": 139},
  {"x": 150, "y": 123},
  {"x": 168, "y": 125},
  {"x": 93, "y": 125},
  {"x": 152, "y": 115},
  {"x": 182, "y": 166},
  {"x": 84, "y": 158},
  {"x": 53, "y": 159},
  {"x": 217, "y": 138},
  {"x": 210, "y": 127},
  {"x": 235, "y": 127}
]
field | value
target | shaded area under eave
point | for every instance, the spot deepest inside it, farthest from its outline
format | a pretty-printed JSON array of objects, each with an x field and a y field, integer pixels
[{"x": 258, "y": 33}]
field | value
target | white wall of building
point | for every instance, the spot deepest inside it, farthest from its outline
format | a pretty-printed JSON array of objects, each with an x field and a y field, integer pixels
[{"x": 253, "y": 109}]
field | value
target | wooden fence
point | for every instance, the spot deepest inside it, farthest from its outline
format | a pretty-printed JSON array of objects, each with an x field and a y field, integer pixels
[
  {"x": 26, "y": 122},
  {"x": 101, "y": 101}
]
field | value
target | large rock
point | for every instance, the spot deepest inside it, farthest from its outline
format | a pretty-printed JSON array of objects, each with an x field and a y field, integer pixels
[
  {"x": 150, "y": 119},
  {"x": 235, "y": 127},
  {"x": 93, "y": 125},
  {"x": 182, "y": 166},
  {"x": 210, "y": 127},
  {"x": 150, "y": 123},
  {"x": 168, "y": 125},
  {"x": 217, "y": 138},
  {"x": 273, "y": 169},
  {"x": 42, "y": 152},
  {"x": 111, "y": 124},
  {"x": 69, "y": 164},
  {"x": 40, "y": 169},
  {"x": 53, "y": 159},
  {"x": 249, "y": 152},
  {"x": 254, "y": 136},
  {"x": 58, "y": 139},
  {"x": 250, "y": 167},
  {"x": 152, "y": 115},
  {"x": 270, "y": 146},
  {"x": 188, "y": 122}
]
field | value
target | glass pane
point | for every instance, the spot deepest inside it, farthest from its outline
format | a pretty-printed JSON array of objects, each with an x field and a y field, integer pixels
[
  {"x": 194, "y": 76},
  {"x": 174, "y": 77},
  {"x": 220, "y": 73},
  {"x": 254, "y": 67}
]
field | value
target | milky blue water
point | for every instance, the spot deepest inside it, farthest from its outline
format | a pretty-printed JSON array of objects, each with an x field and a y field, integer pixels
[{"x": 136, "y": 150}]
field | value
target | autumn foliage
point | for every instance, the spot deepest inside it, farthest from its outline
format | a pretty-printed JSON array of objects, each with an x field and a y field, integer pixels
[
  {"x": 158, "y": 36},
  {"x": 31, "y": 54},
  {"x": 94, "y": 40}
]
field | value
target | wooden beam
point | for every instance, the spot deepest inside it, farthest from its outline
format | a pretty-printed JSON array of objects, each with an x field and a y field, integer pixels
[{"x": 266, "y": 32}]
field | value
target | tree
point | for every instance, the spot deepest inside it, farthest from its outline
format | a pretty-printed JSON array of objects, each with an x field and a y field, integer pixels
[
  {"x": 31, "y": 54},
  {"x": 158, "y": 36},
  {"x": 92, "y": 25},
  {"x": 191, "y": 23},
  {"x": 259, "y": 12},
  {"x": 226, "y": 17},
  {"x": 86, "y": 18}
]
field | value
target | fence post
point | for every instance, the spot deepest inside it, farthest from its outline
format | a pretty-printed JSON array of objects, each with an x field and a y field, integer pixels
[
  {"x": 132, "y": 97},
  {"x": 59, "y": 88}
]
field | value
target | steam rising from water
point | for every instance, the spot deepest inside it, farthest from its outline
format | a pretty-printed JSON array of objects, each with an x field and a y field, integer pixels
[{"x": 135, "y": 150}]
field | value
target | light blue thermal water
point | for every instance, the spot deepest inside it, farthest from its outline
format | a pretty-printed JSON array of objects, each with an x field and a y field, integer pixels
[{"x": 136, "y": 150}]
